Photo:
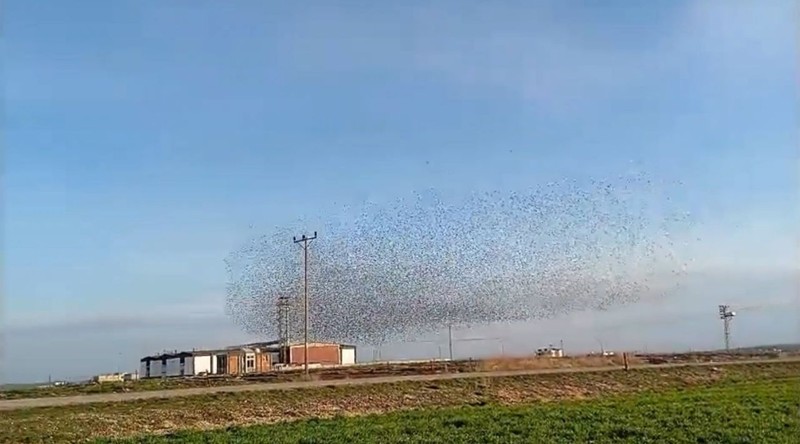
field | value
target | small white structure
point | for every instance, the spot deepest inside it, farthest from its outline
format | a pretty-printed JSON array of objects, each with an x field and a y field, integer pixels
[
  {"x": 348, "y": 355},
  {"x": 550, "y": 352},
  {"x": 109, "y": 377}
]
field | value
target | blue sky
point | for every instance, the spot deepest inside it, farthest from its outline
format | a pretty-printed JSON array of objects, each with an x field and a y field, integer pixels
[{"x": 145, "y": 140}]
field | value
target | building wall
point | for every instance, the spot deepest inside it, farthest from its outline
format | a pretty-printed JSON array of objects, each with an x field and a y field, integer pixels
[
  {"x": 233, "y": 362},
  {"x": 327, "y": 354},
  {"x": 143, "y": 369},
  {"x": 236, "y": 362},
  {"x": 188, "y": 366},
  {"x": 263, "y": 362},
  {"x": 214, "y": 369},
  {"x": 155, "y": 368},
  {"x": 173, "y": 367},
  {"x": 201, "y": 364}
]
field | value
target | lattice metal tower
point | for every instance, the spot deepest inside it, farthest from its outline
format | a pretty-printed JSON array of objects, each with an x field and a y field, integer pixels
[{"x": 726, "y": 315}]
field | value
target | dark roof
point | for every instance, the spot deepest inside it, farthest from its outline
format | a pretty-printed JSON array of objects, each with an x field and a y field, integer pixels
[{"x": 166, "y": 356}]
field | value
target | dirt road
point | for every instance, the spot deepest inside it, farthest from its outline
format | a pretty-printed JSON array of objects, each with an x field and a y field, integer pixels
[{"x": 132, "y": 396}]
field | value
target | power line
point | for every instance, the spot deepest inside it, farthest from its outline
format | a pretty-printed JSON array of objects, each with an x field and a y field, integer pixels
[{"x": 305, "y": 240}]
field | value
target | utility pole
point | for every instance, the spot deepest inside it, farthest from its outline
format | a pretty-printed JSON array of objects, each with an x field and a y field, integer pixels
[
  {"x": 726, "y": 315},
  {"x": 305, "y": 240},
  {"x": 283, "y": 327},
  {"x": 450, "y": 339}
]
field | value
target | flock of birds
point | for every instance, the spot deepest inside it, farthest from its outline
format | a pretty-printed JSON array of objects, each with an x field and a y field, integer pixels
[{"x": 418, "y": 265}]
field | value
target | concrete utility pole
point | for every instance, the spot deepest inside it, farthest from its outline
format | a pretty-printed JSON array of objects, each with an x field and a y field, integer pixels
[
  {"x": 450, "y": 339},
  {"x": 305, "y": 240},
  {"x": 283, "y": 327}
]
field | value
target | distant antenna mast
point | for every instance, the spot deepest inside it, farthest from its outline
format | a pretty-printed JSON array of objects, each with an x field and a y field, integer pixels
[{"x": 726, "y": 315}]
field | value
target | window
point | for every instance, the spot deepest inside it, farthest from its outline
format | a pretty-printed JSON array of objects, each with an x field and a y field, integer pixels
[{"x": 250, "y": 362}]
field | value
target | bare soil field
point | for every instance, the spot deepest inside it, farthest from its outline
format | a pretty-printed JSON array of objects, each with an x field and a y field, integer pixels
[
  {"x": 711, "y": 356},
  {"x": 380, "y": 370},
  {"x": 319, "y": 374}
]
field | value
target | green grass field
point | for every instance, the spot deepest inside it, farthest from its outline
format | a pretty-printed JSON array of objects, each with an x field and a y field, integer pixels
[{"x": 744, "y": 412}]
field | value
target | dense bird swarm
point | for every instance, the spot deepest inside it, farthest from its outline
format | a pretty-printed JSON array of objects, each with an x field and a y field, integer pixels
[{"x": 415, "y": 266}]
